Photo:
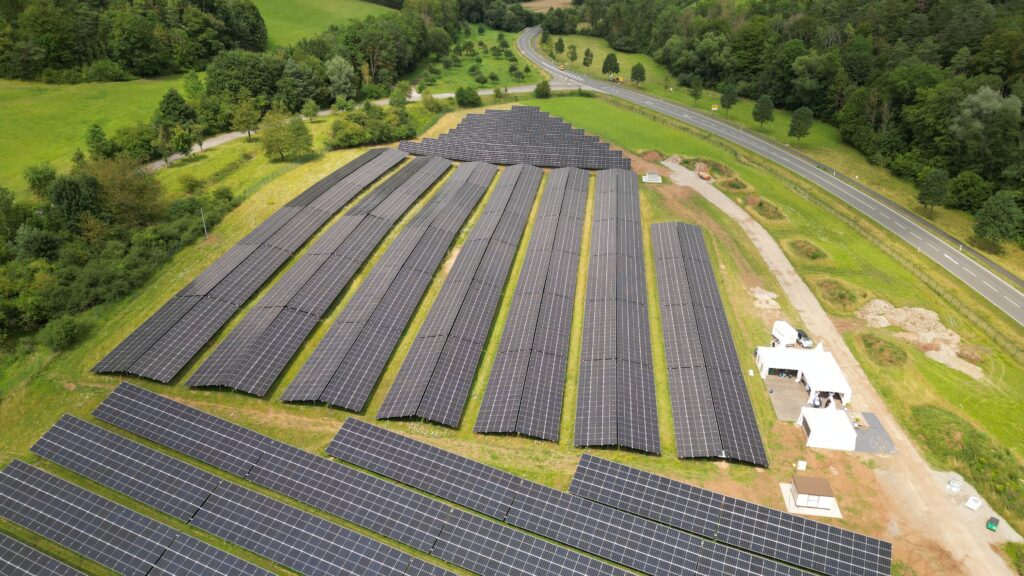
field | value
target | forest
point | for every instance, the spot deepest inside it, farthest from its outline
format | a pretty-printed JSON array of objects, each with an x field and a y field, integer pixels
[{"x": 930, "y": 90}]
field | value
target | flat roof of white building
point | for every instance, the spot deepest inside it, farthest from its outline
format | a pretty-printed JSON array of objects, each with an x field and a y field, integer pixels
[{"x": 819, "y": 368}]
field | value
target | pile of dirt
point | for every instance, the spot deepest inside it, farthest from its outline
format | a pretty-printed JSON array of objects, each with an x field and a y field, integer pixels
[
  {"x": 923, "y": 329},
  {"x": 652, "y": 156},
  {"x": 764, "y": 299}
]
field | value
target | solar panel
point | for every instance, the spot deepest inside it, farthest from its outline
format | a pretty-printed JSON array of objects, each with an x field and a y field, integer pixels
[
  {"x": 435, "y": 380},
  {"x": 17, "y": 559},
  {"x": 165, "y": 483},
  {"x": 345, "y": 366},
  {"x": 188, "y": 555},
  {"x": 787, "y": 537},
  {"x": 712, "y": 414},
  {"x": 524, "y": 391},
  {"x": 105, "y": 532},
  {"x": 616, "y": 404},
  {"x": 165, "y": 343},
  {"x": 256, "y": 352}
]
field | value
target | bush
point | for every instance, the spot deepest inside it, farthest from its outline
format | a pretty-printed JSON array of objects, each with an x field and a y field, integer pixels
[
  {"x": 63, "y": 333},
  {"x": 105, "y": 71},
  {"x": 883, "y": 352},
  {"x": 543, "y": 90},
  {"x": 807, "y": 250},
  {"x": 467, "y": 97},
  {"x": 838, "y": 294},
  {"x": 768, "y": 210}
]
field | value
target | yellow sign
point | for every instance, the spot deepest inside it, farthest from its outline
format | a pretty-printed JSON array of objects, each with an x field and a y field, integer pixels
[{"x": 714, "y": 107}]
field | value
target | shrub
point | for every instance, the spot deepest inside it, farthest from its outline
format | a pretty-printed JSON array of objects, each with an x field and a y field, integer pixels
[
  {"x": 63, "y": 333},
  {"x": 883, "y": 352},
  {"x": 838, "y": 294},
  {"x": 543, "y": 90},
  {"x": 467, "y": 97},
  {"x": 807, "y": 250},
  {"x": 192, "y": 185},
  {"x": 105, "y": 71},
  {"x": 768, "y": 210}
]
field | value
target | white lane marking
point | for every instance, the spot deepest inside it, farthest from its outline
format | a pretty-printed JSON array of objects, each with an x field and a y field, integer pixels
[
  {"x": 989, "y": 285},
  {"x": 1010, "y": 300}
]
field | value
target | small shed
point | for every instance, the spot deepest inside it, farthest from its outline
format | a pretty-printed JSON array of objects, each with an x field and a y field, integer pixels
[
  {"x": 828, "y": 428},
  {"x": 812, "y": 492},
  {"x": 652, "y": 178}
]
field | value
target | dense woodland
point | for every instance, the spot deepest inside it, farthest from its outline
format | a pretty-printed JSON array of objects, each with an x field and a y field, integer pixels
[{"x": 929, "y": 89}]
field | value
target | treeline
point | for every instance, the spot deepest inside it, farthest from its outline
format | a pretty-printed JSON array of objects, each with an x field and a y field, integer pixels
[
  {"x": 930, "y": 90},
  {"x": 75, "y": 40},
  {"x": 90, "y": 236}
]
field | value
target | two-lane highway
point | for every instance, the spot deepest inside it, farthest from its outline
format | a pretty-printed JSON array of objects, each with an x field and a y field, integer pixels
[{"x": 1000, "y": 293}]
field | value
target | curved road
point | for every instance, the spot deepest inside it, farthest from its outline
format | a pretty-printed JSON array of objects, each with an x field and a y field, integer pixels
[{"x": 991, "y": 286}]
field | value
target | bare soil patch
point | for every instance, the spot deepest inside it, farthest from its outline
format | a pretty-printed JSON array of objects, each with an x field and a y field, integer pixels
[
  {"x": 923, "y": 329},
  {"x": 763, "y": 299}
]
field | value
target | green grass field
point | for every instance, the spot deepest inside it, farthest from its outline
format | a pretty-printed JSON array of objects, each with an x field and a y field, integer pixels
[
  {"x": 824, "y": 143},
  {"x": 47, "y": 122},
  {"x": 289, "y": 22},
  {"x": 456, "y": 77},
  {"x": 37, "y": 388}
]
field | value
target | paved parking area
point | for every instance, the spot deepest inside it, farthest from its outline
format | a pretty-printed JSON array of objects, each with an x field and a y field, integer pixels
[{"x": 874, "y": 439}]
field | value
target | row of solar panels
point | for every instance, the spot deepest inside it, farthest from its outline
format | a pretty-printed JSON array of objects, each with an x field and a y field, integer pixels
[
  {"x": 438, "y": 372},
  {"x": 712, "y": 412},
  {"x": 168, "y": 340},
  {"x": 633, "y": 518},
  {"x": 526, "y": 384},
  {"x": 616, "y": 403},
  {"x": 256, "y": 352},
  {"x": 522, "y": 135}
]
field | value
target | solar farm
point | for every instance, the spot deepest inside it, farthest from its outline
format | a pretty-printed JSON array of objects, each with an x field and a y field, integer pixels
[{"x": 354, "y": 259}]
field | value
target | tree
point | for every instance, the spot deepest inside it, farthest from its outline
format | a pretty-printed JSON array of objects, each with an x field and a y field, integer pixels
[
  {"x": 182, "y": 138},
  {"x": 341, "y": 76},
  {"x": 729, "y": 97},
  {"x": 572, "y": 53},
  {"x": 39, "y": 178},
  {"x": 696, "y": 88},
  {"x": 194, "y": 88},
  {"x": 310, "y": 109},
  {"x": 800, "y": 122},
  {"x": 98, "y": 144},
  {"x": 610, "y": 64},
  {"x": 638, "y": 74},
  {"x": 246, "y": 117},
  {"x": 467, "y": 97},
  {"x": 543, "y": 90},
  {"x": 400, "y": 94},
  {"x": 933, "y": 188},
  {"x": 173, "y": 110},
  {"x": 559, "y": 46},
  {"x": 969, "y": 191},
  {"x": 764, "y": 110},
  {"x": 588, "y": 57},
  {"x": 545, "y": 36},
  {"x": 999, "y": 218},
  {"x": 285, "y": 136}
]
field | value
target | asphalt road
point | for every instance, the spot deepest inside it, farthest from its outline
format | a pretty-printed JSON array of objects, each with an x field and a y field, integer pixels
[{"x": 897, "y": 220}]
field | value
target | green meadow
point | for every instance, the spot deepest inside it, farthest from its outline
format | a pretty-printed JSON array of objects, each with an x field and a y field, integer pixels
[{"x": 291, "y": 21}]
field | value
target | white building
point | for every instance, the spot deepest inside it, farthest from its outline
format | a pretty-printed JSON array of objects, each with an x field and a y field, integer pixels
[
  {"x": 816, "y": 369},
  {"x": 828, "y": 428}
]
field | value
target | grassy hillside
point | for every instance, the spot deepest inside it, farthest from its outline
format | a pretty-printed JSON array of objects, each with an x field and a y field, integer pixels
[
  {"x": 289, "y": 21},
  {"x": 824, "y": 143},
  {"x": 47, "y": 122}
]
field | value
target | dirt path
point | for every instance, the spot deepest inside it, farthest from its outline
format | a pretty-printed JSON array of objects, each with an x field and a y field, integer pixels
[{"x": 918, "y": 501}]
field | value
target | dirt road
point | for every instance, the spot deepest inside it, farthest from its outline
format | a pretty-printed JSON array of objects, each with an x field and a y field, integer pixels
[{"x": 923, "y": 509}]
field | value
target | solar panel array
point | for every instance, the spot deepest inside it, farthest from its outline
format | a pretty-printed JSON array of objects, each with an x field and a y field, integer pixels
[
  {"x": 711, "y": 408},
  {"x": 17, "y": 558},
  {"x": 168, "y": 339},
  {"x": 524, "y": 392},
  {"x": 616, "y": 403},
  {"x": 471, "y": 542},
  {"x": 623, "y": 537},
  {"x": 256, "y": 352},
  {"x": 521, "y": 135},
  {"x": 104, "y": 531},
  {"x": 348, "y": 361},
  {"x": 436, "y": 377},
  {"x": 812, "y": 545},
  {"x": 283, "y": 533}
]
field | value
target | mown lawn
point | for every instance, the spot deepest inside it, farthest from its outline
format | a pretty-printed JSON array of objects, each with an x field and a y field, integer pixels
[
  {"x": 47, "y": 122},
  {"x": 290, "y": 21},
  {"x": 457, "y": 76},
  {"x": 824, "y": 143}
]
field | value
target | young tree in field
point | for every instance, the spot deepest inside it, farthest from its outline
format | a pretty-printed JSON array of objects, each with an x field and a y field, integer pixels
[
  {"x": 400, "y": 94},
  {"x": 285, "y": 137},
  {"x": 194, "y": 88},
  {"x": 309, "y": 109},
  {"x": 181, "y": 140},
  {"x": 729, "y": 97},
  {"x": 559, "y": 46},
  {"x": 696, "y": 90},
  {"x": 999, "y": 218},
  {"x": 764, "y": 110},
  {"x": 545, "y": 36},
  {"x": 588, "y": 57},
  {"x": 467, "y": 97},
  {"x": 800, "y": 122},
  {"x": 933, "y": 188},
  {"x": 173, "y": 110},
  {"x": 572, "y": 53},
  {"x": 246, "y": 117},
  {"x": 610, "y": 64},
  {"x": 638, "y": 75},
  {"x": 342, "y": 77},
  {"x": 543, "y": 90}
]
